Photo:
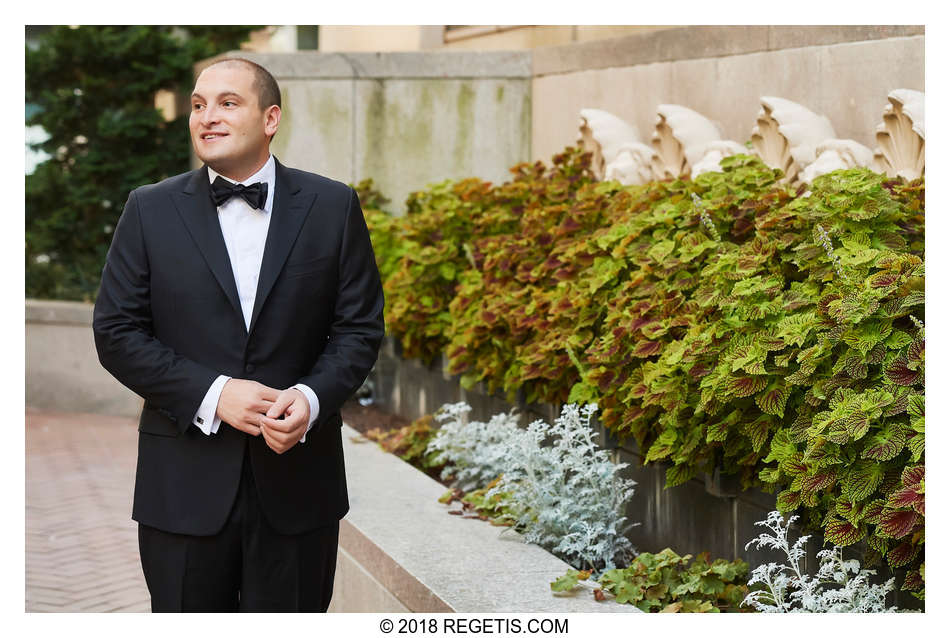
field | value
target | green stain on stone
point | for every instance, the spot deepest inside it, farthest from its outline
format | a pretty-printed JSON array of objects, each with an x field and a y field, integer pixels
[
  {"x": 500, "y": 93},
  {"x": 374, "y": 127},
  {"x": 465, "y": 107}
]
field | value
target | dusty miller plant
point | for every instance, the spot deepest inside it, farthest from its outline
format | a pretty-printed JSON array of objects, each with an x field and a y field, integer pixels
[
  {"x": 474, "y": 452},
  {"x": 571, "y": 494},
  {"x": 840, "y": 585}
]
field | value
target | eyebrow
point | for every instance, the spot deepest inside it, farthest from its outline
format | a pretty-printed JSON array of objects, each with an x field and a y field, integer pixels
[{"x": 225, "y": 94}]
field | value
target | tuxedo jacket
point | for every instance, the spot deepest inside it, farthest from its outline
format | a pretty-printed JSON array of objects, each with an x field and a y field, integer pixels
[{"x": 168, "y": 321}]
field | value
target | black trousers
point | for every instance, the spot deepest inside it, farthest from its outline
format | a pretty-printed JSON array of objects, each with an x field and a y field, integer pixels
[{"x": 246, "y": 567}]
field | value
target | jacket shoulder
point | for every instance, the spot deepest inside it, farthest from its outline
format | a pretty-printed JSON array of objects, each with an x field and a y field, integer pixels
[
  {"x": 323, "y": 184},
  {"x": 167, "y": 185}
]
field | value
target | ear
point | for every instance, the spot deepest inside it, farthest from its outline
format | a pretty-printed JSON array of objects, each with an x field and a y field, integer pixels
[{"x": 271, "y": 120}]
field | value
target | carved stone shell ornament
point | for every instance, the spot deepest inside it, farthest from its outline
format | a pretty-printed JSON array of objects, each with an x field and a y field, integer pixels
[
  {"x": 680, "y": 138},
  {"x": 713, "y": 153},
  {"x": 603, "y": 134},
  {"x": 901, "y": 135},
  {"x": 633, "y": 164},
  {"x": 834, "y": 155},
  {"x": 786, "y": 135}
]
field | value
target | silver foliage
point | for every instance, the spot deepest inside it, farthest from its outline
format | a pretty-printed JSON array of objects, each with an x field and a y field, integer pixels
[
  {"x": 840, "y": 586},
  {"x": 569, "y": 494}
]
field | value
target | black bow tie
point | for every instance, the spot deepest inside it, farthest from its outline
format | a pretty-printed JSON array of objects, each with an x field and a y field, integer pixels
[{"x": 222, "y": 190}]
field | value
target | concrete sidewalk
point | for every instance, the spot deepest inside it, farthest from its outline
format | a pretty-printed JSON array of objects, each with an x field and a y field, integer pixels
[{"x": 81, "y": 543}]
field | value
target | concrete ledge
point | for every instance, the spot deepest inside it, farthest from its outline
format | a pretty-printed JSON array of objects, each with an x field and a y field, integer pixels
[
  {"x": 62, "y": 366},
  {"x": 59, "y": 312},
  {"x": 431, "y": 561},
  {"x": 696, "y": 42},
  {"x": 389, "y": 65}
]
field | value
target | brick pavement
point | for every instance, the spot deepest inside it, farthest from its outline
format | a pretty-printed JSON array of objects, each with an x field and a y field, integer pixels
[{"x": 81, "y": 543}]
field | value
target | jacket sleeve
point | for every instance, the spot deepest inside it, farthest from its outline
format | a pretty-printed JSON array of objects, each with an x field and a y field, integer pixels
[
  {"x": 122, "y": 325},
  {"x": 357, "y": 327}
]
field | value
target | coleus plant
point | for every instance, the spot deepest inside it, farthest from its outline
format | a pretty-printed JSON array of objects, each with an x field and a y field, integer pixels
[{"x": 724, "y": 322}]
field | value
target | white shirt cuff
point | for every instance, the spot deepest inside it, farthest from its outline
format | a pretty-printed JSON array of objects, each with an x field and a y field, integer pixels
[
  {"x": 314, "y": 406},
  {"x": 206, "y": 419}
]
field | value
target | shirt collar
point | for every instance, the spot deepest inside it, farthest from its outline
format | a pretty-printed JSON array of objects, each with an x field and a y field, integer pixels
[{"x": 267, "y": 174}]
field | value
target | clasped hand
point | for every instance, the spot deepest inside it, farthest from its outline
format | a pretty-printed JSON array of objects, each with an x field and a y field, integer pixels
[{"x": 255, "y": 408}]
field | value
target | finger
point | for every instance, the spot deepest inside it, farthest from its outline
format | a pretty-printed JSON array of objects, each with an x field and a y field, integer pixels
[
  {"x": 292, "y": 420},
  {"x": 272, "y": 441},
  {"x": 280, "y": 425},
  {"x": 261, "y": 406},
  {"x": 268, "y": 393},
  {"x": 280, "y": 405}
]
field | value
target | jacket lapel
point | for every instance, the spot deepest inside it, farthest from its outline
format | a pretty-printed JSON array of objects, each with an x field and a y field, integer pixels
[
  {"x": 200, "y": 216},
  {"x": 292, "y": 204}
]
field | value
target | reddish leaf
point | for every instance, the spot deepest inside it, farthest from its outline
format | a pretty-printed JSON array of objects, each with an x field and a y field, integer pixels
[
  {"x": 746, "y": 386},
  {"x": 897, "y": 524},
  {"x": 883, "y": 279},
  {"x": 913, "y": 581},
  {"x": 788, "y": 501},
  {"x": 899, "y": 373},
  {"x": 793, "y": 465},
  {"x": 912, "y": 476},
  {"x": 904, "y": 498},
  {"x": 819, "y": 481},
  {"x": 902, "y": 554},
  {"x": 915, "y": 354},
  {"x": 646, "y": 348}
]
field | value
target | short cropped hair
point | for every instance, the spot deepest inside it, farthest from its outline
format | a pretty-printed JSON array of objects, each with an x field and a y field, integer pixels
[{"x": 268, "y": 93}]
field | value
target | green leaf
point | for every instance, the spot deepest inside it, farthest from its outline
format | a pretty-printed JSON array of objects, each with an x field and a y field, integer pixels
[
  {"x": 862, "y": 479},
  {"x": 758, "y": 431},
  {"x": 569, "y": 580},
  {"x": 788, "y": 501},
  {"x": 885, "y": 445},
  {"x": 916, "y": 446},
  {"x": 661, "y": 250},
  {"x": 583, "y": 393},
  {"x": 865, "y": 336},
  {"x": 679, "y": 474},
  {"x": 662, "y": 447},
  {"x": 447, "y": 270},
  {"x": 841, "y": 532},
  {"x": 772, "y": 400},
  {"x": 744, "y": 386}
]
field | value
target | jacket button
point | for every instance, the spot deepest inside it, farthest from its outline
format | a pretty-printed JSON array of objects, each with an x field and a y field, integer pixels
[{"x": 249, "y": 367}]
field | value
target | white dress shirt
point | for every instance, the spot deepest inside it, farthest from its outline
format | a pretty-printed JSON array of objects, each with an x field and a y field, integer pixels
[{"x": 245, "y": 231}]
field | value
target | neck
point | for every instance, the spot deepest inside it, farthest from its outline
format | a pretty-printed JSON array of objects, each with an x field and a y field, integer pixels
[{"x": 240, "y": 174}]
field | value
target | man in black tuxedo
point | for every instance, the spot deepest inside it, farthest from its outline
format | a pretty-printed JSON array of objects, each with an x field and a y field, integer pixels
[{"x": 243, "y": 303}]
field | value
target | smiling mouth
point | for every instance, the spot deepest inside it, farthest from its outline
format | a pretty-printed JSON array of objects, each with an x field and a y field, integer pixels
[{"x": 212, "y": 136}]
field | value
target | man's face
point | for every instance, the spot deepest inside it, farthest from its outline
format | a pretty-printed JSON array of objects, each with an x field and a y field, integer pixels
[{"x": 229, "y": 130}]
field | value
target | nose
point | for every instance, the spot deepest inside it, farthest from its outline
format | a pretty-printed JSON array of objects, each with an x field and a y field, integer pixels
[{"x": 209, "y": 115}]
